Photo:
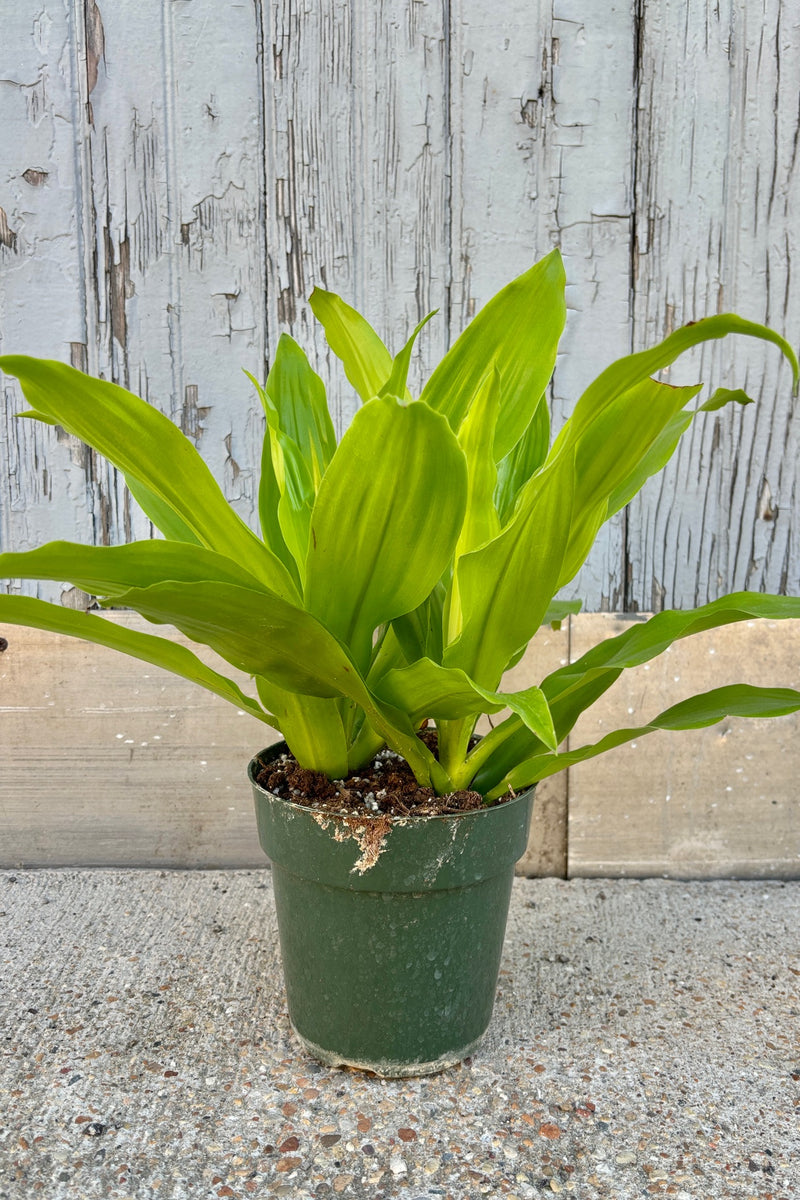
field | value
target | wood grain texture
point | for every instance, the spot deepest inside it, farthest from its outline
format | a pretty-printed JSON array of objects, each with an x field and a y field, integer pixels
[
  {"x": 44, "y": 490},
  {"x": 717, "y": 217},
  {"x": 707, "y": 803},
  {"x": 106, "y": 761},
  {"x": 177, "y": 177}
]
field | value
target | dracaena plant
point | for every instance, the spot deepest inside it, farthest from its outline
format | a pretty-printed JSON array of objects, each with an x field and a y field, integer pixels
[{"x": 398, "y": 574}]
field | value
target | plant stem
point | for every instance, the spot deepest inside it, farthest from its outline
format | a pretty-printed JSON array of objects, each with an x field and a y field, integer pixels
[
  {"x": 454, "y": 739},
  {"x": 366, "y": 745},
  {"x": 314, "y": 733},
  {"x": 486, "y": 747}
]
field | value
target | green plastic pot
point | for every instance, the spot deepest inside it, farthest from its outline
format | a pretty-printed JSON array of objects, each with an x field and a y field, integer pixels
[{"x": 390, "y": 937}]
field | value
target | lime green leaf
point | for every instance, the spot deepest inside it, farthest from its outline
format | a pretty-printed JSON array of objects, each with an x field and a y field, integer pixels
[
  {"x": 367, "y": 362},
  {"x": 573, "y": 688},
  {"x": 738, "y": 700},
  {"x": 386, "y": 520},
  {"x": 481, "y": 522},
  {"x": 651, "y": 462},
  {"x": 110, "y": 570},
  {"x": 425, "y": 689},
  {"x": 162, "y": 516},
  {"x": 265, "y": 635},
  {"x": 626, "y": 425},
  {"x": 627, "y": 372},
  {"x": 165, "y": 519},
  {"x": 420, "y": 632},
  {"x": 518, "y": 332},
  {"x": 38, "y": 614},
  {"x": 313, "y": 730},
  {"x": 522, "y": 462},
  {"x": 289, "y": 473},
  {"x": 396, "y": 384},
  {"x": 606, "y": 459},
  {"x": 296, "y": 492},
  {"x": 148, "y": 448},
  {"x": 530, "y": 705},
  {"x": 506, "y": 587},
  {"x": 311, "y": 726},
  {"x": 476, "y": 438},
  {"x": 256, "y": 631},
  {"x": 558, "y": 611},
  {"x": 269, "y": 499},
  {"x": 298, "y": 395},
  {"x": 665, "y": 445},
  {"x": 723, "y": 396}
]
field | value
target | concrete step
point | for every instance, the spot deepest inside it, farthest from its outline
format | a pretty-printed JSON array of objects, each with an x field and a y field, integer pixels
[{"x": 645, "y": 1042}]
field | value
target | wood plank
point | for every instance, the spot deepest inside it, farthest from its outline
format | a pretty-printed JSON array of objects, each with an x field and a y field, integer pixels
[
  {"x": 43, "y": 489},
  {"x": 718, "y": 214},
  {"x": 104, "y": 760},
  {"x": 541, "y": 157},
  {"x": 176, "y": 189},
  {"x": 355, "y": 174},
  {"x": 704, "y": 804},
  {"x": 108, "y": 761}
]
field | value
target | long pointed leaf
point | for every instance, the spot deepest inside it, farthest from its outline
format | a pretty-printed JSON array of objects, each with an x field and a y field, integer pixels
[
  {"x": 160, "y": 652},
  {"x": 162, "y": 515},
  {"x": 110, "y": 570},
  {"x": 396, "y": 384},
  {"x": 626, "y": 372},
  {"x": 425, "y": 689},
  {"x": 518, "y": 332},
  {"x": 269, "y": 499},
  {"x": 265, "y": 635},
  {"x": 256, "y": 631},
  {"x": 506, "y": 587},
  {"x": 566, "y": 688},
  {"x": 476, "y": 439},
  {"x": 572, "y": 689},
  {"x": 298, "y": 394},
  {"x": 146, "y": 446},
  {"x": 521, "y": 463},
  {"x": 386, "y": 520},
  {"x": 604, "y": 461},
  {"x": 367, "y": 362},
  {"x": 296, "y": 493},
  {"x": 420, "y": 632},
  {"x": 738, "y": 700},
  {"x": 665, "y": 445}
]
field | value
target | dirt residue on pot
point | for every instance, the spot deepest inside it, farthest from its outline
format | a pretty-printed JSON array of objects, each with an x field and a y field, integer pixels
[
  {"x": 365, "y": 804},
  {"x": 370, "y": 836}
]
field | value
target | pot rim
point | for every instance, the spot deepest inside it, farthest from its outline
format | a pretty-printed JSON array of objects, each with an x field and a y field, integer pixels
[{"x": 273, "y": 750}]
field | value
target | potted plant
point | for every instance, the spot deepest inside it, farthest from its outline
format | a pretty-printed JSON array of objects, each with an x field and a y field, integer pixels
[{"x": 396, "y": 576}]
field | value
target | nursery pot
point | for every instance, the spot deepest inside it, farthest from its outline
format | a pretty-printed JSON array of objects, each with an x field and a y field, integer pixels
[{"x": 391, "y": 930}]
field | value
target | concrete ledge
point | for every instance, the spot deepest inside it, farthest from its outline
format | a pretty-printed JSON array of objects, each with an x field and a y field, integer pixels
[{"x": 644, "y": 1043}]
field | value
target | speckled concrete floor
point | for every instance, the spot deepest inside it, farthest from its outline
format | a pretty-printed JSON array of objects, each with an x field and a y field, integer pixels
[{"x": 646, "y": 1041}]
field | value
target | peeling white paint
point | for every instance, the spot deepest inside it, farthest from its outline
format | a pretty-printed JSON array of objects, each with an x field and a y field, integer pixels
[{"x": 230, "y": 157}]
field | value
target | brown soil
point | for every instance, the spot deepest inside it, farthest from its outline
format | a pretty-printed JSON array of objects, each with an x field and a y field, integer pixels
[{"x": 385, "y": 785}]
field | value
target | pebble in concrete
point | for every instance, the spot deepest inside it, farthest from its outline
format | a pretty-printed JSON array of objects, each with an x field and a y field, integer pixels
[{"x": 645, "y": 1043}]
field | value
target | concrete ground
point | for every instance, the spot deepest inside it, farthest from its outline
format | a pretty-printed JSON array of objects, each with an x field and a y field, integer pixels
[{"x": 646, "y": 1041}]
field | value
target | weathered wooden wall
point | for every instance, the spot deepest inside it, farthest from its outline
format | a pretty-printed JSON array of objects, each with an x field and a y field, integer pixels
[{"x": 177, "y": 176}]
